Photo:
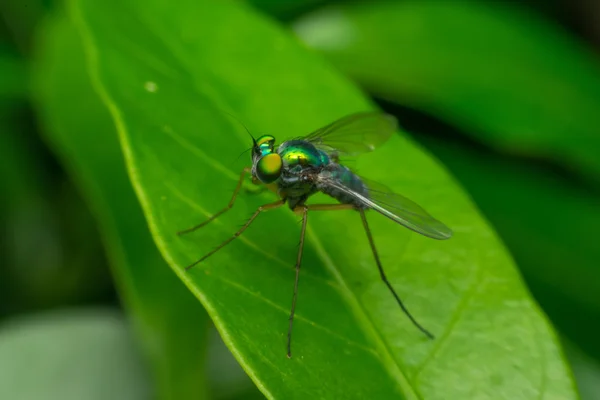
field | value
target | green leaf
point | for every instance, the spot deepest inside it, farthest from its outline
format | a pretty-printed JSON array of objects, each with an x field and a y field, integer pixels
[
  {"x": 547, "y": 224},
  {"x": 286, "y": 10},
  {"x": 501, "y": 74},
  {"x": 20, "y": 20},
  {"x": 166, "y": 73},
  {"x": 71, "y": 355},
  {"x": 46, "y": 230},
  {"x": 172, "y": 325},
  {"x": 13, "y": 76}
]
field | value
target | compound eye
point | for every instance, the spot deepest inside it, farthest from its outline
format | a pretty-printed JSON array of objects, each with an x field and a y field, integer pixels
[{"x": 268, "y": 168}]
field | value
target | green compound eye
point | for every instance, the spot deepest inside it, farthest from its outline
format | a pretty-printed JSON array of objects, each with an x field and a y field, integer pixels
[{"x": 268, "y": 168}]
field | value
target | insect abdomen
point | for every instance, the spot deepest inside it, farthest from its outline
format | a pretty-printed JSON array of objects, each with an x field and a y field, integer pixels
[{"x": 343, "y": 175}]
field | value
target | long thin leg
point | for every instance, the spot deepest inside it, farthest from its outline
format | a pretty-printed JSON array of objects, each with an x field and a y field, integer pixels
[
  {"x": 260, "y": 209},
  {"x": 228, "y": 207},
  {"x": 304, "y": 210},
  {"x": 384, "y": 278},
  {"x": 298, "y": 262}
]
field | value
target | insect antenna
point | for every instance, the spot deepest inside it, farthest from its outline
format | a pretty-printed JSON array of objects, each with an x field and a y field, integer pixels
[
  {"x": 242, "y": 124},
  {"x": 241, "y": 154},
  {"x": 246, "y": 129}
]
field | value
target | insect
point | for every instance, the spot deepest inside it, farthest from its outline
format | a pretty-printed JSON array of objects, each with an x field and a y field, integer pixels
[{"x": 301, "y": 167}]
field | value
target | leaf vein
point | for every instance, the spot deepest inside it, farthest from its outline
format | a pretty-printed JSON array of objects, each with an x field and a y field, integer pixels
[
  {"x": 298, "y": 317},
  {"x": 359, "y": 311},
  {"x": 456, "y": 315},
  {"x": 187, "y": 145}
]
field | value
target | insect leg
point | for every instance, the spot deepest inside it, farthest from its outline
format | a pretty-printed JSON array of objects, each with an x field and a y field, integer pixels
[
  {"x": 304, "y": 210},
  {"x": 298, "y": 262},
  {"x": 260, "y": 209},
  {"x": 384, "y": 278},
  {"x": 228, "y": 207}
]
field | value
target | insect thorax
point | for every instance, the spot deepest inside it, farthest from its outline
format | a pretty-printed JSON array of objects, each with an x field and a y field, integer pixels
[
  {"x": 300, "y": 154},
  {"x": 301, "y": 160},
  {"x": 303, "y": 163}
]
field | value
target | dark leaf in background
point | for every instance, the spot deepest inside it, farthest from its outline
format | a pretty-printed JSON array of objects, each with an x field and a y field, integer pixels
[
  {"x": 50, "y": 251},
  {"x": 287, "y": 10},
  {"x": 586, "y": 370},
  {"x": 13, "y": 79}
]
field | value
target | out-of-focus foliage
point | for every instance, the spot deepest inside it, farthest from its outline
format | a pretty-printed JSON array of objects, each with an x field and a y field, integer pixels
[
  {"x": 71, "y": 355},
  {"x": 287, "y": 10},
  {"x": 500, "y": 93},
  {"x": 587, "y": 371},
  {"x": 47, "y": 232},
  {"x": 13, "y": 79}
]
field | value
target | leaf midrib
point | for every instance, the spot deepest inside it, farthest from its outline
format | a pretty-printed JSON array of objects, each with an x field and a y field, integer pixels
[{"x": 386, "y": 358}]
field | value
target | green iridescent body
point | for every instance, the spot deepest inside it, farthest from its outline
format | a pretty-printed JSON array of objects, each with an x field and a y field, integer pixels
[
  {"x": 302, "y": 162},
  {"x": 300, "y": 167}
]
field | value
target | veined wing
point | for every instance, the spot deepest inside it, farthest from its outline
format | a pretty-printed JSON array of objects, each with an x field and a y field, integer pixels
[
  {"x": 394, "y": 206},
  {"x": 354, "y": 134}
]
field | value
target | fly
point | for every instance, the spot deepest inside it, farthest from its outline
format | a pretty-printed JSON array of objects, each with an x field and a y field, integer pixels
[{"x": 301, "y": 167}]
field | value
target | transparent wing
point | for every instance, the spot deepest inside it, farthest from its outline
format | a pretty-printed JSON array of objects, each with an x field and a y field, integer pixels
[
  {"x": 354, "y": 134},
  {"x": 396, "y": 207}
]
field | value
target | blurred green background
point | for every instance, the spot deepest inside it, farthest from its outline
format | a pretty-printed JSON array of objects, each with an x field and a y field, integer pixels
[{"x": 505, "y": 94}]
